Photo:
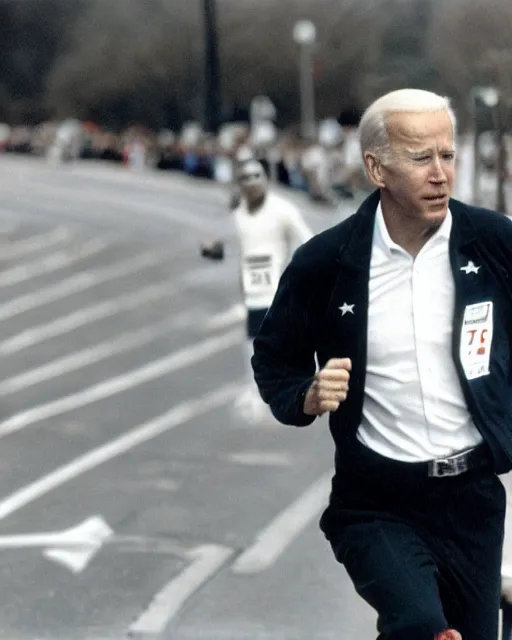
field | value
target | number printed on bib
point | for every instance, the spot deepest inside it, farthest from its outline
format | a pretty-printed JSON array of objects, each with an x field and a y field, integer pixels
[
  {"x": 257, "y": 275},
  {"x": 476, "y": 339}
]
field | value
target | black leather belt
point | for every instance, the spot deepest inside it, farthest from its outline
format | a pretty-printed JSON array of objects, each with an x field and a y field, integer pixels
[{"x": 455, "y": 465}]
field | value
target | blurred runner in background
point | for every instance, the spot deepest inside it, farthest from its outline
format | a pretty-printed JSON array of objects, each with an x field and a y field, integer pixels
[{"x": 269, "y": 229}]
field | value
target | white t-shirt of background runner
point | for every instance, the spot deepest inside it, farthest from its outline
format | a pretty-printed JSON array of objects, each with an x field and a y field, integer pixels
[{"x": 268, "y": 238}]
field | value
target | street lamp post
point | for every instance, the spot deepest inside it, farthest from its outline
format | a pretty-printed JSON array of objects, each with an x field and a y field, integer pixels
[
  {"x": 304, "y": 34},
  {"x": 496, "y": 63},
  {"x": 487, "y": 98},
  {"x": 212, "y": 72},
  {"x": 501, "y": 163}
]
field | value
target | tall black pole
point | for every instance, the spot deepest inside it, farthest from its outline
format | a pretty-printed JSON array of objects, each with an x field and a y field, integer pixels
[{"x": 212, "y": 73}]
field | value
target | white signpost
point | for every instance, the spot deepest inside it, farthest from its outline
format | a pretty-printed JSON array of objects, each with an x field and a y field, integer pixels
[
  {"x": 262, "y": 108},
  {"x": 264, "y": 135}
]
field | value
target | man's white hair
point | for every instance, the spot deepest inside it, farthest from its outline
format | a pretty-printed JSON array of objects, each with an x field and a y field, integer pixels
[{"x": 373, "y": 133}]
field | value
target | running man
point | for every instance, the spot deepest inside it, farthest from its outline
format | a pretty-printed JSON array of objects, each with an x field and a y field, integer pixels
[{"x": 269, "y": 229}]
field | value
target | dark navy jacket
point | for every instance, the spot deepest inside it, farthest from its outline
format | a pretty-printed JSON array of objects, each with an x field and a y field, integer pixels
[{"x": 333, "y": 268}]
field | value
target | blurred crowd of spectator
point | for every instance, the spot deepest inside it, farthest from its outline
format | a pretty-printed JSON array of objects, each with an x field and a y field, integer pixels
[{"x": 328, "y": 168}]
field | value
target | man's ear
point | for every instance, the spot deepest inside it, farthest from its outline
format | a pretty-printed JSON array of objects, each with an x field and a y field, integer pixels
[{"x": 374, "y": 171}]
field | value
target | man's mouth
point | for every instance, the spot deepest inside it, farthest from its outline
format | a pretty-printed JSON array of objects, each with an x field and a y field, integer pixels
[{"x": 437, "y": 198}]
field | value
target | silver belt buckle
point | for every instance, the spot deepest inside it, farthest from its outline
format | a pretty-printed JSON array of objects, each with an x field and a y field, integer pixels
[{"x": 447, "y": 467}]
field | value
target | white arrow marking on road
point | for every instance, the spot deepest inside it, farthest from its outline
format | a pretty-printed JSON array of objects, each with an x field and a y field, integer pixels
[
  {"x": 74, "y": 547},
  {"x": 207, "y": 560}
]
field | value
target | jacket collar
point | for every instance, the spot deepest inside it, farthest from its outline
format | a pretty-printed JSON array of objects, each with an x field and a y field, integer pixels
[
  {"x": 463, "y": 230},
  {"x": 355, "y": 251}
]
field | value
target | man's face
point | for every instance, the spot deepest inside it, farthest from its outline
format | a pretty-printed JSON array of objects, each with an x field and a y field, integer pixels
[
  {"x": 253, "y": 182},
  {"x": 419, "y": 179}
]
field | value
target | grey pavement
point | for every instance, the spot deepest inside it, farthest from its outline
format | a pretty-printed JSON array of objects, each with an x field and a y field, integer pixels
[{"x": 136, "y": 503}]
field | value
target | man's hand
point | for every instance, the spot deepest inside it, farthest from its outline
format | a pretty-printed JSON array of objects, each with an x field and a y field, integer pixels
[
  {"x": 329, "y": 388},
  {"x": 212, "y": 250}
]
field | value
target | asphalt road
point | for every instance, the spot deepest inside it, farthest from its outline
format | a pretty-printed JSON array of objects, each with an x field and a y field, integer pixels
[{"x": 135, "y": 502}]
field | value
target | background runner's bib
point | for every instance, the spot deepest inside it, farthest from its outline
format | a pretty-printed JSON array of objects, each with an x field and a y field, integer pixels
[
  {"x": 268, "y": 238},
  {"x": 258, "y": 276}
]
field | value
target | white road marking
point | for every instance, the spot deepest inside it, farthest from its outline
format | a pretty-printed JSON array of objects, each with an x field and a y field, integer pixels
[
  {"x": 261, "y": 458},
  {"x": 52, "y": 262},
  {"x": 97, "y": 353},
  {"x": 234, "y": 315},
  {"x": 102, "y": 310},
  {"x": 175, "y": 417},
  {"x": 156, "y": 369},
  {"x": 207, "y": 560},
  {"x": 79, "y": 283},
  {"x": 34, "y": 243},
  {"x": 92, "y": 534},
  {"x": 80, "y": 535},
  {"x": 280, "y": 533}
]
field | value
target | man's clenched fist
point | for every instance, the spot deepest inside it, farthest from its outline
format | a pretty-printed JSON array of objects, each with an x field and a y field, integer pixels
[{"x": 329, "y": 388}]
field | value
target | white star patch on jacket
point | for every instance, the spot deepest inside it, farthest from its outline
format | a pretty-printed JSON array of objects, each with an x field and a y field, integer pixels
[
  {"x": 347, "y": 308},
  {"x": 470, "y": 268}
]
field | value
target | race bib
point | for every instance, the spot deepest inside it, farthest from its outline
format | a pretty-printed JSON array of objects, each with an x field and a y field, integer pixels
[
  {"x": 476, "y": 339},
  {"x": 258, "y": 275}
]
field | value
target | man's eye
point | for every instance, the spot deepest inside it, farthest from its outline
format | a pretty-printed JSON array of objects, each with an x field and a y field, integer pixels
[{"x": 422, "y": 159}]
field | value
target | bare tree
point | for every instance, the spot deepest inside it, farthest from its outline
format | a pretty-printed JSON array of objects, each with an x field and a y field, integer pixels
[
  {"x": 142, "y": 60},
  {"x": 33, "y": 34},
  {"x": 130, "y": 61},
  {"x": 124, "y": 61},
  {"x": 462, "y": 34}
]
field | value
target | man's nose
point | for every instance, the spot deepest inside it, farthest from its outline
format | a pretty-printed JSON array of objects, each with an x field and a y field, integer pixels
[{"x": 438, "y": 171}]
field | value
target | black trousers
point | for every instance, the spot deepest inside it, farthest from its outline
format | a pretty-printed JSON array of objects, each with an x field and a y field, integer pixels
[{"x": 424, "y": 552}]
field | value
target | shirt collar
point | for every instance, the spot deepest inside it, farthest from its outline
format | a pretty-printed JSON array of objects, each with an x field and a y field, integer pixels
[{"x": 381, "y": 233}]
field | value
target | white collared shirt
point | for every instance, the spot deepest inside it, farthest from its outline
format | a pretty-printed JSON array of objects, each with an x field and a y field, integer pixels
[{"x": 414, "y": 408}]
